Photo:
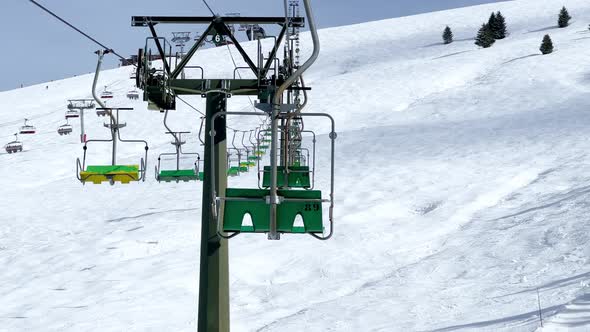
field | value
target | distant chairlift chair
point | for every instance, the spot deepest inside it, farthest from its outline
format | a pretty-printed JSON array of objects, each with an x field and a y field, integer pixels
[
  {"x": 259, "y": 148},
  {"x": 234, "y": 157},
  {"x": 250, "y": 157},
  {"x": 133, "y": 94},
  {"x": 101, "y": 111},
  {"x": 65, "y": 129},
  {"x": 297, "y": 174},
  {"x": 178, "y": 174},
  {"x": 106, "y": 94},
  {"x": 14, "y": 146},
  {"x": 254, "y": 157},
  {"x": 27, "y": 129},
  {"x": 72, "y": 114},
  {"x": 77, "y": 104}
]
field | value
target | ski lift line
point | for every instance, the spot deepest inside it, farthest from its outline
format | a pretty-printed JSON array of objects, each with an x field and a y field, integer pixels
[
  {"x": 194, "y": 108},
  {"x": 11, "y": 123},
  {"x": 189, "y": 105},
  {"x": 76, "y": 29},
  {"x": 238, "y": 72},
  {"x": 160, "y": 49},
  {"x": 211, "y": 10}
]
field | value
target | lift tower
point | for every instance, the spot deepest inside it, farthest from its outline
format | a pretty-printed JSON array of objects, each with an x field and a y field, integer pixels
[
  {"x": 76, "y": 109},
  {"x": 162, "y": 85}
]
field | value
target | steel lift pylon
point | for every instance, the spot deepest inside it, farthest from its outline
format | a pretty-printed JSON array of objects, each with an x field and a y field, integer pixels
[{"x": 162, "y": 85}]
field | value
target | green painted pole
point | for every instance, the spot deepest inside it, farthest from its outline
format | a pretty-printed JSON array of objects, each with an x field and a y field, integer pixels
[{"x": 213, "y": 313}]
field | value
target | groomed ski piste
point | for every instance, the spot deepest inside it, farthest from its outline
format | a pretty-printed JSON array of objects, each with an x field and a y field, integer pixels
[{"x": 462, "y": 187}]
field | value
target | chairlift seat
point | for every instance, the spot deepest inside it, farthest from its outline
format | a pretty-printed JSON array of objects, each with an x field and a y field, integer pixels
[
  {"x": 243, "y": 169},
  {"x": 14, "y": 147},
  {"x": 253, "y": 158},
  {"x": 247, "y": 164},
  {"x": 308, "y": 205},
  {"x": 178, "y": 175},
  {"x": 133, "y": 94},
  {"x": 27, "y": 130},
  {"x": 259, "y": 153},
  {"x": 298, "y": 177},
  {"x": 72, "y": 114},
  {"x": 74, "y": 105},
  {"x": 233, "y": 171},
  {"x": 64, "y": 130},
  {"x": 110, "y": 173}
]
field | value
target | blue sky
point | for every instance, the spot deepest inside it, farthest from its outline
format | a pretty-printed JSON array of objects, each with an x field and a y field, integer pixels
[{"x": 38, "y": 48}]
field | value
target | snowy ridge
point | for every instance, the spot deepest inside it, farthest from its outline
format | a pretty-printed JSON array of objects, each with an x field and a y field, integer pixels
[{"x": 463, "y": 181}]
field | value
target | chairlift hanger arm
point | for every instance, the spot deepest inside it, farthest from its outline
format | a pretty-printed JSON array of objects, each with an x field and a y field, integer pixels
[
  {"x": 143, "y": 21},
  {"x": 201, "y": 130},
  {"x": 233, "y": 140}
]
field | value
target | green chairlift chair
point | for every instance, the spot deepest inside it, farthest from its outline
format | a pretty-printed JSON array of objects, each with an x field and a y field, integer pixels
[
  {"x": 234, "y": 159},
  {"x": 178, "y": 174},
  {"x": 292, "y": 203}
]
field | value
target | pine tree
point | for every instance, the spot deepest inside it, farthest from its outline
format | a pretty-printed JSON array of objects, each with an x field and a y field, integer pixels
[
  {"x": 485, "y": 36},
  {"x": 492, "y": 21},
  {"x": 546, "y": 45},
  {"x": 500, "y": 28},
  {"x": 564, "y": 18},
  {"x": 447, "y": 35}
]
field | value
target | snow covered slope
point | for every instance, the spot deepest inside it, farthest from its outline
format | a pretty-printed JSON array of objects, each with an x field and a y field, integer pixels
[{"x": 463, "y": 182}]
